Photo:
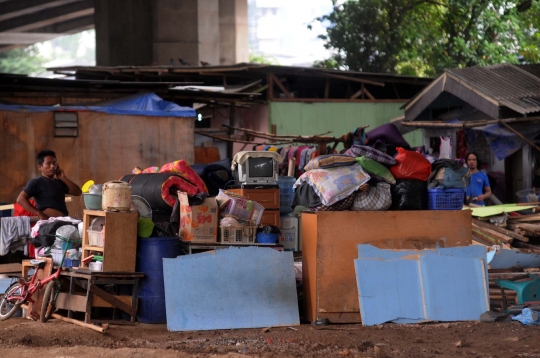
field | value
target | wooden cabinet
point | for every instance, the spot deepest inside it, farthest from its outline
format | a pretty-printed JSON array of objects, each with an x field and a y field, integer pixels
[
  {"x": 268, "y": 198},
  {"x": 330, "y": 246},
  {"x": 120, "y": 239}
]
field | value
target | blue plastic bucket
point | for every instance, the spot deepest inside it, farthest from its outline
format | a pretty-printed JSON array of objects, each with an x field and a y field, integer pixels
[
  {"x": 150, "y": 254},
  {"x": 286, "y": 194}
]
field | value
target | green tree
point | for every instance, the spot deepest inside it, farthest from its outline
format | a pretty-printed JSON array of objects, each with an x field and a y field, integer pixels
[
  {"x": 423, "y": 37},
  {"x": 21, "y": 61}
]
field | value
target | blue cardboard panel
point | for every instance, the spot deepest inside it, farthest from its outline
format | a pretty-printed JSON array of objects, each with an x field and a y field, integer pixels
[
  {"x": 505, "y": 259},
  {"x": 389, "y": 290},
  {"x": 238, "y": 287},
  {"x": 407, "y": 286},
  {"x": 454, "y": 287}
]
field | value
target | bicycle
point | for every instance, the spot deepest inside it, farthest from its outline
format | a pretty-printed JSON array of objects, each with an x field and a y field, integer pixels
[{"x": 22, "y": 291}]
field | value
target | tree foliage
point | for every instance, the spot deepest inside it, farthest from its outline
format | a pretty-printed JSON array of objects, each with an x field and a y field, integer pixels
[
  {"x": 21, "y": 61},
  {"x": 423, "y": 37}
]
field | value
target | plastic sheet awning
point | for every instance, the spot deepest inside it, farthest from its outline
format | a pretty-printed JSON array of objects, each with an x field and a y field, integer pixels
[{"x": 146, "y": 104}]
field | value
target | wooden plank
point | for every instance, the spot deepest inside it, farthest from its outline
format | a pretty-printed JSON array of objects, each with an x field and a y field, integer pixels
[
  {"x": 485, "y": 237},
  {"x": 358, "y": 93},
  {"x": 281, "y": 87},
  {"x": 338, "y": 100},
  {"x": 270, "y": 81},
  {"x": 327, "y": 89},
  {"x": 354, "y": 79},
  {"x": 98, "y": 292},
  {"x": 367, "y": 93},
  {"x": 500, "y": 230},
  {"x": 69, "y": 302},
  {"x": 10, "y": 268},
  {"x": 79, "y": 323},
  {"x": 74, "y": 302},
  {"x": 309, "y": 266}
]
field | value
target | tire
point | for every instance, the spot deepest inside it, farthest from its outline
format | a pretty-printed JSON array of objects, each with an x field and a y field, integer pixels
[
  {"x": 48, "y": 304},
  {"x": 9, "y": 307}
]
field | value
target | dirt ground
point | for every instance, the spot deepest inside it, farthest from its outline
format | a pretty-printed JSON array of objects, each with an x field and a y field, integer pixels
[{"x": 24, "y": 338}]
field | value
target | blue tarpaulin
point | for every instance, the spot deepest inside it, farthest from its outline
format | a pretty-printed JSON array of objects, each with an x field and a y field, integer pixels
[
  {"x": 146, "y": 104},
  {"x": 504, "y": 142}
]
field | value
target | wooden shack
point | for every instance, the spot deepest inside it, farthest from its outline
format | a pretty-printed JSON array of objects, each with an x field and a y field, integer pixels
[{"x": 106, "y": 145}]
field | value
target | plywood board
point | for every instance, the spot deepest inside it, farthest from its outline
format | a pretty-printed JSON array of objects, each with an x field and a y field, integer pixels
[
  {"x": 339, "y": 233},
  {"x": 506, "y": 259},
  {"x": 247, "y": 287}
]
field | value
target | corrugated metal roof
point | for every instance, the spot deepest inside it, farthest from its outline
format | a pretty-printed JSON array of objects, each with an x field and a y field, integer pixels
[{"x": 514, "y": 86}]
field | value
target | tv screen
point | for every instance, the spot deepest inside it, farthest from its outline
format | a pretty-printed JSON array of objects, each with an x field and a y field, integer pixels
[{"x": 261, "y": 167}]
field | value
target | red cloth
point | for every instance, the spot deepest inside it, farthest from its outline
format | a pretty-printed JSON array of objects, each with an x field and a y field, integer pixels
[{"x": 19, "y": 211}]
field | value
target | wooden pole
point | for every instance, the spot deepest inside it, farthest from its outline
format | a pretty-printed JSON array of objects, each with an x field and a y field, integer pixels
[{"x": 99, "y": 329}]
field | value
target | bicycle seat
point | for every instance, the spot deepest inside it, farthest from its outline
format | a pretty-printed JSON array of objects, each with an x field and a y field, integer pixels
[{"x": 38, "y": 263}]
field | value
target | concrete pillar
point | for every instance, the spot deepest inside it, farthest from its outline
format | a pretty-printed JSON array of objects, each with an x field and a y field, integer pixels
[
  {"x": 123, "y": 32},
  {"x": 187, "y": 29},
  {"x": 159, "y": 32},
  {"x": 233, "y": 31}
]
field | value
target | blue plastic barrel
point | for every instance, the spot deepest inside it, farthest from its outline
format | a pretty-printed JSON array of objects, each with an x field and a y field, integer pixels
[
  {"x": 286, "y": 194},
  {"x": 150, "y": 254}
]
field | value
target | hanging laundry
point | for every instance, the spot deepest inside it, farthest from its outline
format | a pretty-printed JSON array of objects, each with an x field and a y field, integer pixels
[
  {"x": 445, "y": 150},
  {"x": 14, "y": 232}
]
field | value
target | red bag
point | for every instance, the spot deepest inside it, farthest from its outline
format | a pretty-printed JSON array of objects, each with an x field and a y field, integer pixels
[{"x": 410, "y": 165}]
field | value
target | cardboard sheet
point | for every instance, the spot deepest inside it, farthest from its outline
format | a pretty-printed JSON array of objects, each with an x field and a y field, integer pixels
[
  {"x": 406, "y": 286},
  {"x": 238, "y": 287}
]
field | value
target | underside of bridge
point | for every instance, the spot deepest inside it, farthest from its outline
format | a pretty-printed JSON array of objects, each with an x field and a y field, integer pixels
[{"x": 135, "y": 32}]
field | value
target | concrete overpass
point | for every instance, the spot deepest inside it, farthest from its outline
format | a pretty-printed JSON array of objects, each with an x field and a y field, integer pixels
[{"x": 135, "y": 32}]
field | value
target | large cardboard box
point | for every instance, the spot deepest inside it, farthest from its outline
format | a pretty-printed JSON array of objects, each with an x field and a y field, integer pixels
[{"x": 198, "y": 223}]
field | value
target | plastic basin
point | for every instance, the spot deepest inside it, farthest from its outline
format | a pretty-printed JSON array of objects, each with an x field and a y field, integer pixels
[
  {"x": 92, "y": 201},
  {"x": 263, "y": 238}
]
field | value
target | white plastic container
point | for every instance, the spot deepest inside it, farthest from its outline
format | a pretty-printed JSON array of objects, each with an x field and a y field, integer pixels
[
  {"x": 57, "y": 256},
  {"x": 96, "y": 266},
  {"x": 289, "y": 237}
]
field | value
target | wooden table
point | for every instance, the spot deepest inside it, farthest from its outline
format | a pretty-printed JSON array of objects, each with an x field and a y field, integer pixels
[{"x": 91, "y": 282}]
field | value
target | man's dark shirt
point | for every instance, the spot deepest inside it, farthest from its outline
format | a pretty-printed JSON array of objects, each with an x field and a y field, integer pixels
[{"x": 48, "y": 193}]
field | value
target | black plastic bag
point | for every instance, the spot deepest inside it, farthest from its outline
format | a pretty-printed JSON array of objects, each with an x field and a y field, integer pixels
[{"x": 409, "y": 194}]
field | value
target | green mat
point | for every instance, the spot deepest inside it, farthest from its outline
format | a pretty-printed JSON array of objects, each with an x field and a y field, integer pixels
[{"x": 497, "y": 209}]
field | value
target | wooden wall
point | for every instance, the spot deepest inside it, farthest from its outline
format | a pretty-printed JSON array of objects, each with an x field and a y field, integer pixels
[{"x": 108, "y": 147}]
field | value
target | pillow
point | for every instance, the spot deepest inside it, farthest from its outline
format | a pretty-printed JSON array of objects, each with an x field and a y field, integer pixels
[
  {"x": 334, "y": 184},
  {"x": 371, "y": 153},
  {"x": 341, "y": 205},
  {"x": 373, "y": 167},
  {"x": 329, "y": 161},
  {"x": 376, "y": 198}
]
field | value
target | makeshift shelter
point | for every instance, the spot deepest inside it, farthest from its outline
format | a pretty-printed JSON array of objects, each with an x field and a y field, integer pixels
[
  {"x": 494, "y": 111},
  {"x": 99, "y": 141}
]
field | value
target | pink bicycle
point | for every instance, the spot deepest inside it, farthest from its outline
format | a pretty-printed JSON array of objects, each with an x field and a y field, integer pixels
[{"x": 22, "y": 290}]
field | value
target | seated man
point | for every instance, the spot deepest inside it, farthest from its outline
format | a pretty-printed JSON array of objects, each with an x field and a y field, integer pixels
[
  {"x": 479, "y": 188},
  {"x": 49, "y": 189}
]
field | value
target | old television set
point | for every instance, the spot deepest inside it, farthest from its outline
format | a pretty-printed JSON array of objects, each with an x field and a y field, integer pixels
[{"x": 258, "y": 170}]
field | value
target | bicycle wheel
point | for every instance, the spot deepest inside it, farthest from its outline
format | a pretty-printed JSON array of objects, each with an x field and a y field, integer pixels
[
  {"x": 48, "y": 304},
  {"x": 8, "y": 306}
]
